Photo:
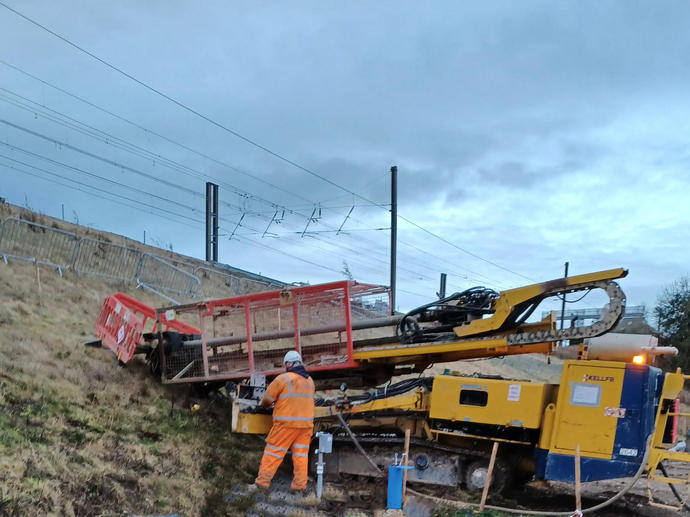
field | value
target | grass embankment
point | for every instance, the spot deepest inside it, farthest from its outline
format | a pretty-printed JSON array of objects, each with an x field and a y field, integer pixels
[{"x": 80, "y": 435}]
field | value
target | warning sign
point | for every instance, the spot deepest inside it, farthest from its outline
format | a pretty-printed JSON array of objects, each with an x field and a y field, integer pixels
[{"x": 514, "y": 392}]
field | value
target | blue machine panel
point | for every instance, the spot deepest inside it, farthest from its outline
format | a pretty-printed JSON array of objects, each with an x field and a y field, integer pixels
[
  {"x": 638, "y": 400},
  {"x": 561, "y": 467}
]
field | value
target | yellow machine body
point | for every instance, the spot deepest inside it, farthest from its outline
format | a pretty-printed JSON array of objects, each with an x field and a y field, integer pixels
[
  {"x": 588, "y": 408},
  {"x": 245, "y": 422},
  {"x": 489, "y": 401}
]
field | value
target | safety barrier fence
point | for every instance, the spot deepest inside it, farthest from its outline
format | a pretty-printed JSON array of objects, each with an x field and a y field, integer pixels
[{"x": 61, "y": 250}]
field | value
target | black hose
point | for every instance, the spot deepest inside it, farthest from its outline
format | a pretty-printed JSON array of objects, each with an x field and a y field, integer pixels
[
  {"x": 388, "y": 391},
  {"x": 477, "y": 300},
  {"x": 674, "y": 489},
  {"x": 357, "y": 444}
]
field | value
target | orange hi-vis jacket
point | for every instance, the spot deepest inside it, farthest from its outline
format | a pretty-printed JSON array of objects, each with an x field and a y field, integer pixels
[{"x": 293, "y": 396}]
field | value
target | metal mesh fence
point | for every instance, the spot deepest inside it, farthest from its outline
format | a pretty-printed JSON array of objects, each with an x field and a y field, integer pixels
[
  {"x": 155, "y": 271},
  {"x": 215, "y": 284},
  {"x": 25, "y": 240},
  {"x": 104, "y": 259},
  {"x": 21, "y": 239}
]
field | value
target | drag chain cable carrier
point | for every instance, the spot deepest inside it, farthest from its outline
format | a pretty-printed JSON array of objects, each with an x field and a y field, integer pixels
[{"x": 610, "y": 409}]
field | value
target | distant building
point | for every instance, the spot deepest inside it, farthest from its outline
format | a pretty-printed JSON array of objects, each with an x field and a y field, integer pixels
[{"x": 634, "y": 320}]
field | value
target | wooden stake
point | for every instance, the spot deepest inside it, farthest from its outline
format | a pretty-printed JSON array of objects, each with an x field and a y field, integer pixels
[
  {"x": 38, "y": 281},
  {"x": 406, "y": 454},
  {"x": 578, "y": 496},
  {"x": 489, "y": 474}
]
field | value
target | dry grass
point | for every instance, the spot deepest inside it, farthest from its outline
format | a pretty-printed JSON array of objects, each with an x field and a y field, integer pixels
[{"x": 80, "y": 435}]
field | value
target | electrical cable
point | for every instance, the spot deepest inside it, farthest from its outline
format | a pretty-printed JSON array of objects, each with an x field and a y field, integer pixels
[
  {"x": 87, "y": 173},
  {"x": 107, "y": 160},
  {"x": 173, "y": 100},
  {"x": 110, "y": 193},
  {"x": 110, "y": 139},
  {"x": 561, "y": 297},
  {"x": 54, "y": 162},
  {"x": 246, "y": 139},
  {"x": 460, "y": 275},
  {"x": 159, "y": 135},
  {"x": 96, "y": 176},
  {"x": 446, "y": 314},
  {"x": 357, "y": 444},
  {"x": 167, "y": 216},
  {"x": 132, "y": 188},
  {"x": 419, "y": 227},
  {"x": 591, "y": 509},
  {"x": 159, "y": 157}
]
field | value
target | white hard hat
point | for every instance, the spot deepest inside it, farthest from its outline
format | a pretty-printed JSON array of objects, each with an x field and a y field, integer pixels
[{"x": 292, "y": 357}]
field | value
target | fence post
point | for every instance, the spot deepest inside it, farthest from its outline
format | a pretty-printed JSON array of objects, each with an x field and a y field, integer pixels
[
  {"x": 137, "y": 272},
  {"x": 75, "y": 255},
  {"x": 38, "y": 282}
]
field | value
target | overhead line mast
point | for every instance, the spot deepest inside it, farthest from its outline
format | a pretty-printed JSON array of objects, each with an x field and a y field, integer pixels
[{"x": 394, "y": 232}]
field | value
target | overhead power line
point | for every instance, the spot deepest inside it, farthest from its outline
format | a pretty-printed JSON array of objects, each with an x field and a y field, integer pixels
[
  {"x": 108, "y": 161},
  {"x": 172, "y": 99},
  {"x": 168, "y": 213},
  {"x": 154, "y": 178},
  {"x": 91, "y": 174},
  {"x": 123, "y": 185},
  {"x": 82, "y": 127},
  {"x": 463, "y": 249},
  {"x": 244, "y": 138},
  {"x": 161, "y": 136},
  {"x": 143, "y": 207}
]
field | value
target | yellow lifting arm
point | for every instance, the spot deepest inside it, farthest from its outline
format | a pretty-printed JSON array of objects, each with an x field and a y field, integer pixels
[{"x": 512, "y": 307}]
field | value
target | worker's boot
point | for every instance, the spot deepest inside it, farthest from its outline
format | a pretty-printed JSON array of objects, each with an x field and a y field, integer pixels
[{"x": 257, "y": 489}]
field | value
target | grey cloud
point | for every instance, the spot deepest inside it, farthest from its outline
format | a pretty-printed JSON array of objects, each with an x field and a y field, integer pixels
[{"x": 501, "y": 114}]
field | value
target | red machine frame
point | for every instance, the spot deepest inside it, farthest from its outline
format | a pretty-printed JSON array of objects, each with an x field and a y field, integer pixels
[{"x": 245, "y": 360}]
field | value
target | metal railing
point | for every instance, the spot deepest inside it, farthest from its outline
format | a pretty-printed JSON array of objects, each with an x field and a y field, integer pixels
[
  {"x": 107, "y": 260},
  {"x": 157, "y": 272},
  {"x": 33, "y": 242},
  {"x": 21, "y": 239}
]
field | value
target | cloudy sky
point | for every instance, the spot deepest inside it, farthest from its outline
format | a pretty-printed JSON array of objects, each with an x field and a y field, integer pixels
[{"x": 526, "y": 134}]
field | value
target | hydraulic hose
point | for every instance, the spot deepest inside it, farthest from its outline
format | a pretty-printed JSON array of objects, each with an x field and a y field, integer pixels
[
  {"x": 357, "y": 444},
  {"x": 591, "y": 509}
]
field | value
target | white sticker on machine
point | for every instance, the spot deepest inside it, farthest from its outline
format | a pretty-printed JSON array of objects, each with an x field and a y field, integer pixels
[
  {"x": 627, "y": 452},
  {"x": 514, "y": 392},
  {"x": 616, "y": 412}
]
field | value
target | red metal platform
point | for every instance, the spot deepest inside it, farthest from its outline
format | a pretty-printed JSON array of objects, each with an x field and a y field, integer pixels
[{"x": 250, "y": 334}]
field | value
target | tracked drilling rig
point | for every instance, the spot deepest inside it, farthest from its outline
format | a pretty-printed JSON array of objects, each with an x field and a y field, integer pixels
[{"x": 620, "y": 414}]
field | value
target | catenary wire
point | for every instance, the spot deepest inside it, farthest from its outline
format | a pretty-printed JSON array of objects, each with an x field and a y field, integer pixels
[
  {"x": 167, "y": 212},
  {"x": 136, "y": 171},
  {"x": 246, "y": 139},
  {"x": 158, "y": 135},
  {"x": 149, "y": 131},
  {"x": 112, "y": 140}
]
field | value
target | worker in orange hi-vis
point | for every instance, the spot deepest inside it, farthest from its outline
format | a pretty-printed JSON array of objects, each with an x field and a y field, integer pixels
[{"x": 292, "y": 394}]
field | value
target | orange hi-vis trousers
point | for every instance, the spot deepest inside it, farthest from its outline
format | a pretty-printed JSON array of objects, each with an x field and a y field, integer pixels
[{"x": 280, "y": 440}]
